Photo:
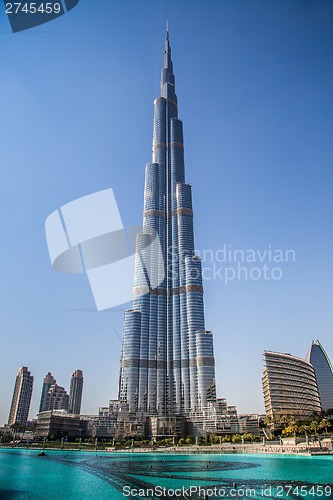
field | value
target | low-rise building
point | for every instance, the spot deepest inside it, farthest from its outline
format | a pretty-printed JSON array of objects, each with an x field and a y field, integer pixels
[
  {"x": 216, "y": 418},
  {"x": 58, "y": 424},
  {"x": 163, "y": 427},
  {"x": 251, "y": 424}
]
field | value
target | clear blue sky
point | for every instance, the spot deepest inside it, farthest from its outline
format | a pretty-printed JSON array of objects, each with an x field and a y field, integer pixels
[{"x": 254, "y": 82}]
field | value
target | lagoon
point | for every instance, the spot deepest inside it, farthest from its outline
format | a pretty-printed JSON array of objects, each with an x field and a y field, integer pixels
[{"x": 88, "y": 475}]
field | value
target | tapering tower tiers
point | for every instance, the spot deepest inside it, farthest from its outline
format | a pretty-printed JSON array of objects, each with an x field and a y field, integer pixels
[{"x": 168, "y": 358}]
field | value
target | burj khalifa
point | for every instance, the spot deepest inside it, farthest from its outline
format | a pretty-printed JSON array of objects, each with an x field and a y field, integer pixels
[{"x": 167, "y": 365}]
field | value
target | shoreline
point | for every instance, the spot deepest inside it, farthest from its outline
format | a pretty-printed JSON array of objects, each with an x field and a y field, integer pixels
[{"x": 246, "y": 449}]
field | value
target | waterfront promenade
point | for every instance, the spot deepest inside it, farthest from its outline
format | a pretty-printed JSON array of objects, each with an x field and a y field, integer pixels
[
  {"x": 323, "y": 447},
  {"x": 316, "y": 448}
]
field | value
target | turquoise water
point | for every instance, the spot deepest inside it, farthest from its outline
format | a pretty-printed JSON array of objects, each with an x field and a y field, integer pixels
[{"x": 84, "y": 476}]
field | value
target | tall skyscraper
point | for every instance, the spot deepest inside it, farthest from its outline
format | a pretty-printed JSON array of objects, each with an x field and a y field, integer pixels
[
  {"x": 168, "y": 365},
  {"x": 324, "y": 373},
  {"x": 289, "y": 386},
  {"x": 75, "y": 392},
  {"x": 20, "y": 406},
  {"x": 48, "y": 381}
]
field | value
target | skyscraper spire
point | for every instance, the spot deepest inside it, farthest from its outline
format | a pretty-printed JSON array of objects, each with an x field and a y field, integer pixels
[
  {"x": 168, "y": 358},
  {"x": 167, "y": 67}
]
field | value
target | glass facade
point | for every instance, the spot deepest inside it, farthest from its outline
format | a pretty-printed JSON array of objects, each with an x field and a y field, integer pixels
[
  {"x": 168, "y": 359},
  {"x": 75, "y": 392},
  {"x": 324, "y": 374}
]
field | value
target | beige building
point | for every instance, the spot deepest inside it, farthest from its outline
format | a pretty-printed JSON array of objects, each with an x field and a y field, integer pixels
[
  {"x": 290, "y": 387},
  {"x": 58, "y": 424},
  {"x": 20, "y": 406}
]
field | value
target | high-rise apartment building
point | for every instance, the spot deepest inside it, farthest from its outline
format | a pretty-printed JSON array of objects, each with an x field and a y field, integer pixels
[
  {"x": 289, "y": 386},
  {"x": 324, "y": 374},
  {"x": 20, "y": 406},
  {"x": 168, "y": 365},
  {"x": 75, "y": 392},
  {"x": 54, "y": 397},
  {"x": 48, "y": 381}
]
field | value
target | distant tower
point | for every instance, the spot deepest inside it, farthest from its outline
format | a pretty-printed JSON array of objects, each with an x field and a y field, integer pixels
[
  {"x": 324, "y": 374},
  {"x": 48, "y": 381},
  {"x": 20, "y": 406},
  {"x": 75, "y": 392}
]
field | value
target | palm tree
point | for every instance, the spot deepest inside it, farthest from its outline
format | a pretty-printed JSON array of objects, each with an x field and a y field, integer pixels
[
  {"x": 304, "y": 429},
  {"x": 16, "y": 427},
  {"x": 284, "y": 421},
  {"x": 248, "y": 437},
  {"x": 314, "y": 426},
  {"x": 268, "y": 420},
  {"x": 324, "y": 424},
  {"x": 293, "y": 425}
]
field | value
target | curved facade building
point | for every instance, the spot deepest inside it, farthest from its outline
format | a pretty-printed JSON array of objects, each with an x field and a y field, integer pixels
[
  {"x": 168, "y": 359},
  {"x": 289, "y": 386},
  {"x": 324, "y": 374}
]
